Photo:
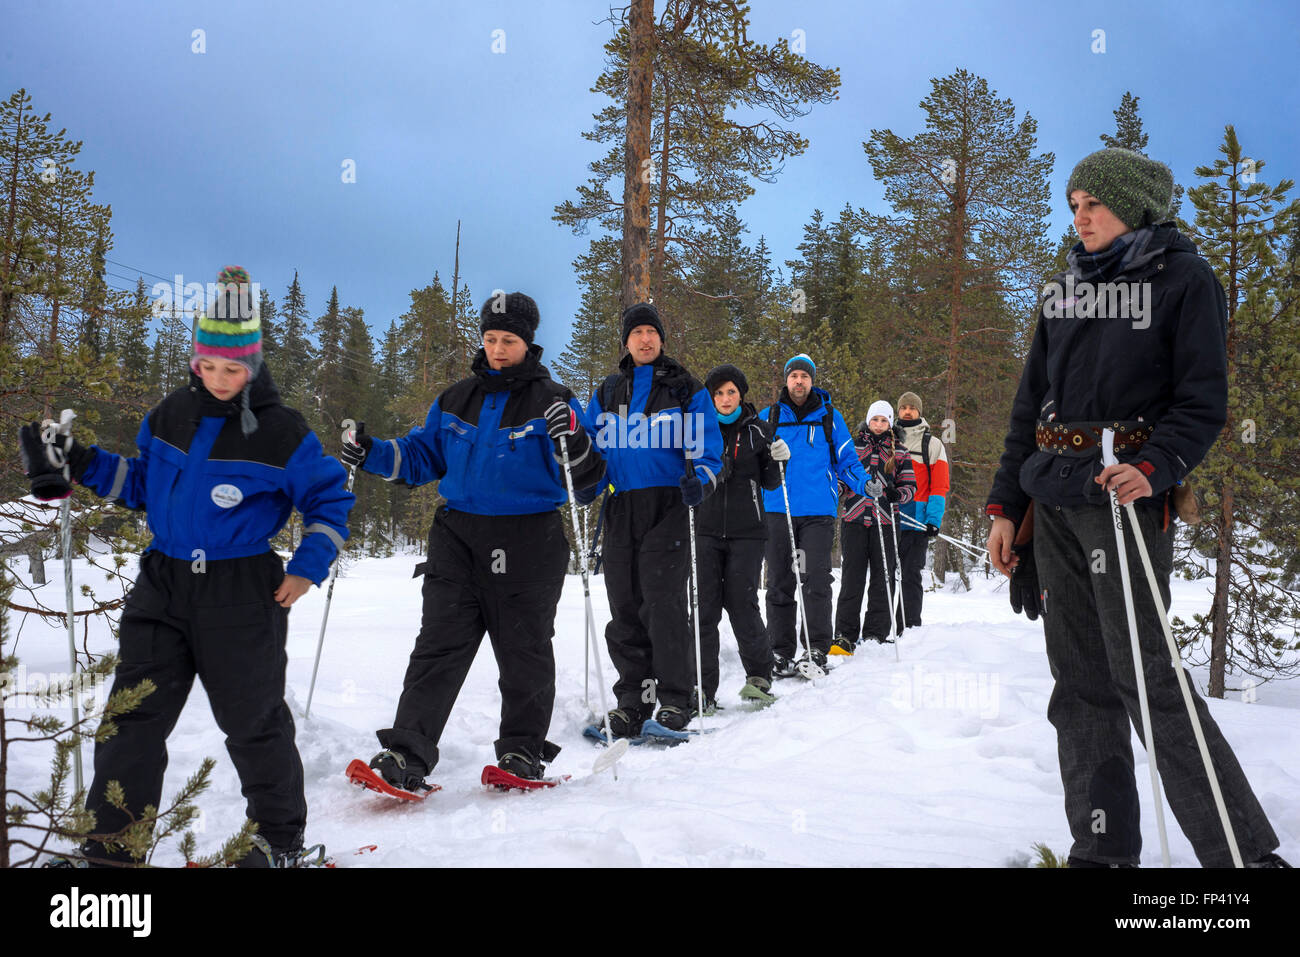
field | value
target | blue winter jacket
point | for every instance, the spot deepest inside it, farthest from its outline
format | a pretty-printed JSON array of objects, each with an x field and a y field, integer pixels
[
  {"x": 485, "y": 439},
  {"x": 637, "y": 420},
  {"x": 813, "y": 473},
  {"x": 212, "y": 492}
]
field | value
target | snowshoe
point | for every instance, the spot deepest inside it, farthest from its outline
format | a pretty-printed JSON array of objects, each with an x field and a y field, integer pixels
[
  {"x": 521, "y": 766},
  {"x": 783, "y": 667},
  {"x": 813, "y": 665},
  {"x": 360, "y": 773},
  {"x": 625, "y": 722},
  {"x": 757, "y": 690},
  {"x": 518, "y": 772},
  {"x": 673, "y": 718},
  {"x": 263, "y": 855},
  {"x": 711, "y": 706},
  {"x": 398, "y": 770},
  {"x": 842, "y": 646}
]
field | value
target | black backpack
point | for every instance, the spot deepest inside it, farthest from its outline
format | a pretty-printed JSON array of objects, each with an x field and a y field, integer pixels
[{"x": 828, "y": 426}]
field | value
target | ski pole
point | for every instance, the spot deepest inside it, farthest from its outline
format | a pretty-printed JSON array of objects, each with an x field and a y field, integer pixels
[
  {"x": 885, "y": 570},
  {"x": 1147, "y": 737},
  {"x": 348, "y": 426},
  {"x": 695, "y": 608},
  {"x": 978, "y": 554},
  {"x": 1175, "y": 660},
  {"x": 613, "y": 749},
  {"x": 806, "y": 668},
  {"x": 50, "y": 432},
  {"x": 898, "y": 572},
  {"x": 580, "y": 528}
]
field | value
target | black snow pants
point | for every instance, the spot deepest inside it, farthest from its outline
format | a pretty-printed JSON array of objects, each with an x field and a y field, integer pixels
[
  {"x": 1095, "y": 698},
  {"x": 912, "y": 546},
  {"x": 729, "y": 569},
  {"x": 217, "y": 620},
  {"x": 647, "y": 567},
  {"x": 814, "y": 536},
  {"x": 485, "y": 573},
  {"x": 865, "y": 565}
]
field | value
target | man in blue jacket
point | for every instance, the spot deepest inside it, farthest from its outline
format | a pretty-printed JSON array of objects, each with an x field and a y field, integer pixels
[
  {"x": 656, "y": 426},
  {"x": 810, "y": 437}
]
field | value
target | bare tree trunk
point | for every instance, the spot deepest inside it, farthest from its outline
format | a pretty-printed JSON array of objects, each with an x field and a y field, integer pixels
[
  {"x": 636, "y": 177},
  {"x": 661, "y": 227}
]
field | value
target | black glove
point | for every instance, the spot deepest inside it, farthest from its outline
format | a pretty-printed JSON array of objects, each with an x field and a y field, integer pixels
[
  {"x": 692, "y": 490},
  {"x": 1024, "y": 590},
  {"x": 892, "y": 494},
  {"x": 585, "y": 496},
  {"x": 39, "y": 458},
  {"x": 356, "y": 446},
  {"x": 931, "y": 531},
  {"x": 561, "y": 420}
]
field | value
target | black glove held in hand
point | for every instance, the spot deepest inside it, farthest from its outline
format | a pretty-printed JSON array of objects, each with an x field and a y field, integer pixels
[
  {"x": 1025, "y": 594},
  {"x": 561, "y": 420},
  {"x": 931, "y": 531},
  {"x": 39, "y": 458},
  {"x": 892, "y": 494},
  {"x": 692, "y": 490},
  {"x": 356, "y": 446}
]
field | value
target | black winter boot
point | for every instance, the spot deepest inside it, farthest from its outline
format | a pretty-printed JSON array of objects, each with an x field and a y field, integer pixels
[{"x": 399, "y": 769}]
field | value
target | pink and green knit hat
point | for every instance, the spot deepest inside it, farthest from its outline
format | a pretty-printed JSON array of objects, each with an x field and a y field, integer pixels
[{"x": 232, "y": 328}]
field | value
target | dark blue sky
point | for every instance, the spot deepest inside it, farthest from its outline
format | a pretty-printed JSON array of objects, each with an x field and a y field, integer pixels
[{"x": 236, "y": 154}]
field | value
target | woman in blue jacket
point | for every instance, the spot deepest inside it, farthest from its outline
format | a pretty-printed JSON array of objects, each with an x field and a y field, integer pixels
[
  {"x": 222, "y": 464},
  {"x": 497, "y": 552}
]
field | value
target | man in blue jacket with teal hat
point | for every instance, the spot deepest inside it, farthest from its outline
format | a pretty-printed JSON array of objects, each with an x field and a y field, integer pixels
[{"x": 810, "y": 437}]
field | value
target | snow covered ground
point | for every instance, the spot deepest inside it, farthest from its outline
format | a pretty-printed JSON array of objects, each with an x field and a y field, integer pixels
[{"x": 944, "y": 758}]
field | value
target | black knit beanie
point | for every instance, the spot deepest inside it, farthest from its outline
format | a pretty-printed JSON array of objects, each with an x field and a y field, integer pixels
[
  {"x": 726, "y": 373},
  {"x": 642, "y": 314},
  {"x": 511, "y": 312},
  {"x": 1136, "y": 189}
]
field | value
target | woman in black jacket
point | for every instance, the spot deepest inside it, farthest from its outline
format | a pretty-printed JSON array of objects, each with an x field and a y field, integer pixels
[
  {"x": 1131, "y": 337},
  {"x": 730, "y": 539}
]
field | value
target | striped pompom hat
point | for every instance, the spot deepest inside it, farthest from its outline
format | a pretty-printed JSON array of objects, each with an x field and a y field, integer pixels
[{"x": 231, "y": 330}]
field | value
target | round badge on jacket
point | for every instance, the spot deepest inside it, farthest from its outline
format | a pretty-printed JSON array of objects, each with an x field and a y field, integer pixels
[{"x": 227, "y": 496}]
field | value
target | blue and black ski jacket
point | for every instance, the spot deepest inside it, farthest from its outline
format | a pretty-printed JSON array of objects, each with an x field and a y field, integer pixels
[
  {"x": 212, "y": 492},
  {"x": 485, "y": 440},
  {"x": 818, "y": 461},
  {"x": 648, "y": 419}
]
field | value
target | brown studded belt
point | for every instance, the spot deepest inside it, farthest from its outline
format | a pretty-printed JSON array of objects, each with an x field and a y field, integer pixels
[{"x": 1082, "y": 438}]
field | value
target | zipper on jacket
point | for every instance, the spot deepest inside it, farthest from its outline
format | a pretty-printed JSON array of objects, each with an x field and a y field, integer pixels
[{"x": 753, "y": 493}]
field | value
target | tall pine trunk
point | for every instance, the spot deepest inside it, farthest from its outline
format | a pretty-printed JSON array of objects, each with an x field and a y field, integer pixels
[{"x": 636, "y": 187}]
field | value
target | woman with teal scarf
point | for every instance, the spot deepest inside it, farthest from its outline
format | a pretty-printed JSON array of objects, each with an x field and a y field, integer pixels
[{"x": 731, "y": 536}]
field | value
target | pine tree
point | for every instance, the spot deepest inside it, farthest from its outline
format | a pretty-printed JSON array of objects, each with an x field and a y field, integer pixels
[
  {"x": 970, "y": 200},
  {"x": 270, "y": 329},
  {"x": 25, "y": 144},
  {"x": 327, "y": 371},
  {"x": 595, "y": 338},
  {"x": 690, "y": 133},
  {"x": 1247, "y": 230},
  {"x": 295, "y": 350}
]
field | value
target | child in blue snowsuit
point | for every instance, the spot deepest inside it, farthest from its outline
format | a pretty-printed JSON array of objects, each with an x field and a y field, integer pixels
[{"x": 222, "y": 464}]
